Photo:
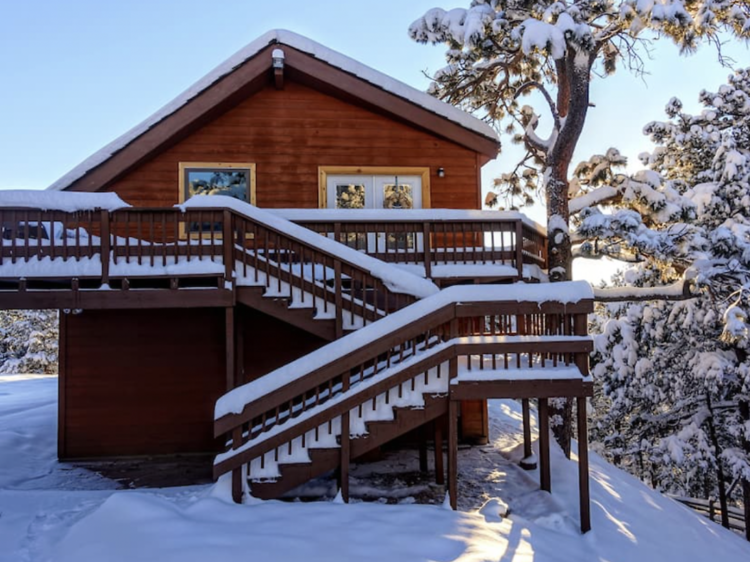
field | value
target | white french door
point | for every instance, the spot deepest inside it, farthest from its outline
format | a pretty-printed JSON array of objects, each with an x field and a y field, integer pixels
[
  {"x": 377, "y": 192},
  {"x": 374, "y": 192}
]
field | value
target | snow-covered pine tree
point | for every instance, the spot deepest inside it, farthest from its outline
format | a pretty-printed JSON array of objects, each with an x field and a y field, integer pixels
[
  {"x": 501, "y": 50},
  {"x": 28, "y": 341},
  {"x": 675, "y": 379}
]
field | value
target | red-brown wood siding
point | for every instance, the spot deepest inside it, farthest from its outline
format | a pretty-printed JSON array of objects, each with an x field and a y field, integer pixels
[
  {"x": 289, "y": 133},
  {"x": 141, "y": 382},
  {"x": 269, "y": 343}
]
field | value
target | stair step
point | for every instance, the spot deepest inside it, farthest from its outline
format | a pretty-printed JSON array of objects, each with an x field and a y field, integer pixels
[{"x": 378, "y": 433}]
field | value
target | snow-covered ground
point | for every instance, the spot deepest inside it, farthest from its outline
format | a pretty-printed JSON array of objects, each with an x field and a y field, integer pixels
[{"x": 54, "y": 511}]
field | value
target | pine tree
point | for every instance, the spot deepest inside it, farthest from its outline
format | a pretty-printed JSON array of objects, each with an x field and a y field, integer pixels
[
  {"x": 28, "y": 341},
  {"x": 675, "y": 381},
  {"x": 501, "y": 50}
]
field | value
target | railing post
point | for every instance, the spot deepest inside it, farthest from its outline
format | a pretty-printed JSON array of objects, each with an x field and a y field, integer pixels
[
  {"x": 337, "y": 301},
  {"x": 237, "y": 472},
  {"x": 104, "y": 245},
  {"x": 228, "y": 245},
  {"x": 519, "y": 248},
  {"x": 345, "y": 447},
  {"x": 427, "y": 249}
]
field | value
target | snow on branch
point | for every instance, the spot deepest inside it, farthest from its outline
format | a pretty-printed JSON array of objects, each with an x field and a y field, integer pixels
[
  {"x": 675, "y": 292},
  {"x": 598, "y": 196}
]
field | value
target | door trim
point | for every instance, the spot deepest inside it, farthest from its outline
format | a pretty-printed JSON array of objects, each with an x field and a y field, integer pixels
[{"x": 325, "y": 171}]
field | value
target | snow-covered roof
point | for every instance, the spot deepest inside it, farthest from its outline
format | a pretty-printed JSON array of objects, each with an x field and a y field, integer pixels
[
  {"x": 305, "y": 45},
  {"x": 68, "y": 202}
]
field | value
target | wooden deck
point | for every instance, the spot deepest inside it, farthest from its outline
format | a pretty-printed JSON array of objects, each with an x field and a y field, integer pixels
[{"x": 144, "y": 257}]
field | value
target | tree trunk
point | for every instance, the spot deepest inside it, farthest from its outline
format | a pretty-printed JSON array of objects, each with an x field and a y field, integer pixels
[
  {"x": 719, "y": 469},
  {"x": 745, "y": 416},
  {"x": 573, "y": 104}
]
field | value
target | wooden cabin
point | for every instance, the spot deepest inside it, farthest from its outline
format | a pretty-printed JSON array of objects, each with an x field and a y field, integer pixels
[{"x": 365, "y": 199}]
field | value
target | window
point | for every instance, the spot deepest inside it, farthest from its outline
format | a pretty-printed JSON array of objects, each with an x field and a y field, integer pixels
[{"x": 217, "y": 178}]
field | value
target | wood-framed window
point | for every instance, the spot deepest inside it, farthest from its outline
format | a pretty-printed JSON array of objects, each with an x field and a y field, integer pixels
[
  {"x": 214, "y": 178},
  {"x": 369, "y": 184},
  {"x": 217, "y": 178}
]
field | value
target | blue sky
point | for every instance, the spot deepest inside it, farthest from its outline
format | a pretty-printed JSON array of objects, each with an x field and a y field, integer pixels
[{"x": 79, "y": 73}]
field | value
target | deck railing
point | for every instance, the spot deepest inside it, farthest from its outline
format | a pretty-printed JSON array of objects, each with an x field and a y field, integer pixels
[
  {"x": 170, "y": 237},
  {"x": 412, "y": 237}
]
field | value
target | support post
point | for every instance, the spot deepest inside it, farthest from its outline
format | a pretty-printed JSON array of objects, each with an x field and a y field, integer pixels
[
  {"x": 344, "y": 461},
  {"x": 439, "y": 468},
  {"x": 526, "y": 463},
  {"x": 453, "y": 453},
  {"x": 105, "y": 246},
  {"x": 237, "y": 472},
  {"x": 545, "y": 481},
  {"x": 423, "y": 468},
  {"x": 519, "y": 248},
  {"x": 229, "y": 347},
  {"x": 337, "y": 302},
  {"x": 227, "y": 242},
  {"x": 427, "y": 249},
  {"x": 583, "y": 466}
]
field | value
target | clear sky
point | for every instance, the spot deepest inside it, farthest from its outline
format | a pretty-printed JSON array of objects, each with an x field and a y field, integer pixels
[{"x": 78, "y": 73}]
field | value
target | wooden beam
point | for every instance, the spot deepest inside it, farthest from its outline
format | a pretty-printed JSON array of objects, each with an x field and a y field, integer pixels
[
  {"x": 439, "y": 468},
  {"x": 423, "y": 468},
  {"x": 115, "y": 299},
  {"x": 583, "y": 467},
  {"x": 539, "y": 388},
  {"x": 237, "y": 473},
  {"x": 61, "y": 384},
  {"x": 453, "y": 453},
  {"x": 545, "y": 481},
  {"x": 229, "y": 350},
  {"x": 345, "y": 457},
  {"x": 527, "y": 450}
]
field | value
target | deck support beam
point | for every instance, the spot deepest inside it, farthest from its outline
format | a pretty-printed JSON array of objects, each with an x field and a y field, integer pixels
[
  {"x": 237, "y": 484},
  {"x": 527, "y": 463},
  {"x": 545, "y": 481},
  {"x": 439, "y": 467},
  {"x": 343, "y": 473},
  {"x": 423, "y": 466},
  {"x": 453, "y": 453},
  {"x": 229, "y": 348},
  {"x": 583, "y": 466}
]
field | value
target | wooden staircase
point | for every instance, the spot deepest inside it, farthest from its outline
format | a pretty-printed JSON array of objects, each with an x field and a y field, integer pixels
[{"x": 318, "y": 413}]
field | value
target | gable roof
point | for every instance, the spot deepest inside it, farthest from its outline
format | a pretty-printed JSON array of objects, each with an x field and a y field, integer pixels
[{"x": 242, "y": 74}]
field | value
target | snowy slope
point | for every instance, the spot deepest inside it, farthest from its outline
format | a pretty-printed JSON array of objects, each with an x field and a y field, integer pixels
[{"x": 54, "y": 512}]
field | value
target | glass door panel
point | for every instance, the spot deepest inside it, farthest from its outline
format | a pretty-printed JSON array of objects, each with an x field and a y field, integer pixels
[{"x": 398, "y": 192}]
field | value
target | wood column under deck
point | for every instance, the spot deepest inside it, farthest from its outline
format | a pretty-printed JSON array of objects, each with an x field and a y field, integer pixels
[
  {"x": 439, "y": 468},
  {"x": 453, "y": 453},
  {"x": 583, "y": 466},
  {"x": 545, "y": 481}
]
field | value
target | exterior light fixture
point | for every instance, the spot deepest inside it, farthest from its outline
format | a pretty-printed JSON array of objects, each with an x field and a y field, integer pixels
[
  {"x": 278, "y": 58},
  {"x": 441, "y": 172}
]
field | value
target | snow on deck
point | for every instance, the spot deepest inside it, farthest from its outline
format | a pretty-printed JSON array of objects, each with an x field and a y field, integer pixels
[
  {"x": 395, "y": 215},
  {"x": 308, "y": 46},
  {"x": 68, "y": 202},
  {"x": 569, "y": 292},
  {"x": 54, "y": 512}
]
